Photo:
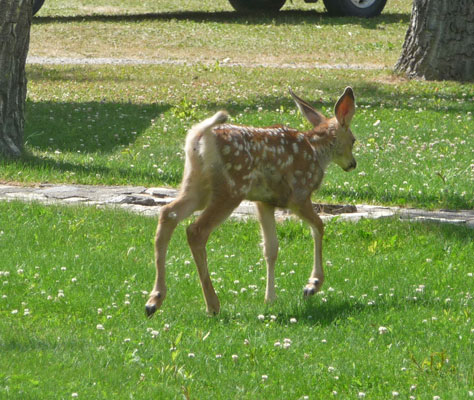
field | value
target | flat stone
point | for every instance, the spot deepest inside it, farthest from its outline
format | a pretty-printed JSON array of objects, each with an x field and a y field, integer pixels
[
  {"x": 140, "y": 200},
  {"x": 26, "y": 196},
  {"x": 148, "y": 201},
  {"x": 162, "y": 192}
]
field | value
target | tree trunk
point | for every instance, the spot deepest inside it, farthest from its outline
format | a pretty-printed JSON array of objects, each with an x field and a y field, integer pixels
[
  {"x": 15, "y": 22},
  {"x": 439, "y": 43}
]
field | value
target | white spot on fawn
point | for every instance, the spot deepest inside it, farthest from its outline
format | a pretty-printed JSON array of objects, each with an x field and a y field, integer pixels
[{"x": 226, "y": 150}]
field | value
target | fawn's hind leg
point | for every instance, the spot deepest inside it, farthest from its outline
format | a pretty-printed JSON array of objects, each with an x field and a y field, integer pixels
[
  {"x": 170, "y": 216},
  {"x": 198, "y": 234}
]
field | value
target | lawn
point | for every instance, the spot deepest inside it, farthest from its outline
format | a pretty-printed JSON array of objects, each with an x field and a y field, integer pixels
[
  {"x": 126, "y": 125},
  {"x": 394, "y": 318},
  {"x": 209, "y": 31}
]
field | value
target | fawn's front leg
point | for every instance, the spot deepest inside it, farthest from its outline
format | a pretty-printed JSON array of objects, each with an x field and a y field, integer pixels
[{"x": 316, "y": 279}]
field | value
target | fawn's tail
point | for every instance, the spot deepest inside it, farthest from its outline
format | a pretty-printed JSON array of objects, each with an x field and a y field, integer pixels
[{"x": 200, "y": 148}]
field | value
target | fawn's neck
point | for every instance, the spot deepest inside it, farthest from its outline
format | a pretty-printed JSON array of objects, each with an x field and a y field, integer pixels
[{"x": 322, "y": 139}]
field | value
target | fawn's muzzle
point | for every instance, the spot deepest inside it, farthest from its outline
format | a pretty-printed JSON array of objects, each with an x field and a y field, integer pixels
[{"x": 351, "y": 166}]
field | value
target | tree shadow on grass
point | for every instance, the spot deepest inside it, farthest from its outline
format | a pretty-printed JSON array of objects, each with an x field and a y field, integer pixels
[
  {"x": 89, "y": 127},
  {"x": 284, "y": 17},
  {"x": 85, "y": 173}
]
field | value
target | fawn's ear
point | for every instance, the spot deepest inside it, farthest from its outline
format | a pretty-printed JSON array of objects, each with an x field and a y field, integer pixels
[
  {"x": 345, "y": 107},
  {"x": 314, "y": 117}
]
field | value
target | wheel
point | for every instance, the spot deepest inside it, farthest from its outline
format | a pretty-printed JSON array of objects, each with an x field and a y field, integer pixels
[
  {"x": 37, "y": 4},
  {"x": 355, "y": 8},
  {"x": 247, "y": 6}
]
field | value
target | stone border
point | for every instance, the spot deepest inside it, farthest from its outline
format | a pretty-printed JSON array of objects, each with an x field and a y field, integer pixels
[{"x": 148, "y": 201}]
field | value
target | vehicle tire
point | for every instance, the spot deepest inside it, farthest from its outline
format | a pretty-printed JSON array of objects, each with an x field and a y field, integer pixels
[
  {"x": 355, "y": 8},
  {"x": 252, "y": 6},
  {"x": 37, "y": 4}
]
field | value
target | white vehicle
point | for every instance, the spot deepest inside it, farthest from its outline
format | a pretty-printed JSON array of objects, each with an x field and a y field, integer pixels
[{"x": 354, "y": 8}]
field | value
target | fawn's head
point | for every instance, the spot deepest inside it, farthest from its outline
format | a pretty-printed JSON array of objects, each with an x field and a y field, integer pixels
[{"x": 338, "y": 126}]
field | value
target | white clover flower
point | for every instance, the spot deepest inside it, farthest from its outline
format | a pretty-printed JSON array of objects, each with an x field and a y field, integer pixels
[
  {"x": 100, "y": 327},
  {"x": 235, "y": 357},
  {"x": 383, "y": 330},
  {"x": 261, "y": 317},
  {"x": 191, "y": 355},
  {"x": 293, "y": 320},
  {"x": 264, "y": 377}
]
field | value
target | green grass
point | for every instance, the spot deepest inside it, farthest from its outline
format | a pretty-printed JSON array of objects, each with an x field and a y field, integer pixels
[
  {"x": 66, "y": 273},
  {"x": 209, "y": 30},
  {"x": 126, "y": 125}
]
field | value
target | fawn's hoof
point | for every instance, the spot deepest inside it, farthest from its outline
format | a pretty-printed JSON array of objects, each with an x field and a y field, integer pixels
[
  {"x": 150, "y": 310},
  {"x": 153, "y": 303},
  {"x": 312, "y": 287},
  {"x": 213, "y": 309}
]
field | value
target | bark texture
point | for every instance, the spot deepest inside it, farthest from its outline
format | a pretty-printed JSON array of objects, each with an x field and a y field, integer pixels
[
  {"x": 15, "y": 22},
  {"x": 439, "y": 44}
]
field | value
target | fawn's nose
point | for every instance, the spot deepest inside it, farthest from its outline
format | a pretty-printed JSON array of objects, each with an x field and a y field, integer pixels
[{"x": 351, "y": 166}]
